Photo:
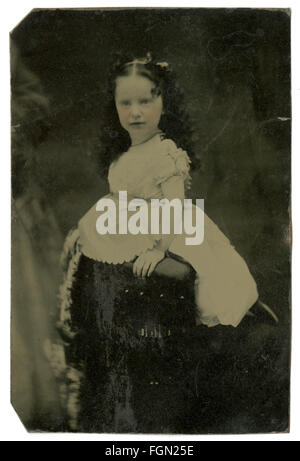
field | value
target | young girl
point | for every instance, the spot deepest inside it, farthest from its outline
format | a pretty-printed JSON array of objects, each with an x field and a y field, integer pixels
[{"x": 129, "y": 338}]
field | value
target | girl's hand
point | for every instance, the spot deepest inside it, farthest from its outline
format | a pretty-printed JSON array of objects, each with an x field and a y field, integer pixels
[{"x": 145, "y": 264}]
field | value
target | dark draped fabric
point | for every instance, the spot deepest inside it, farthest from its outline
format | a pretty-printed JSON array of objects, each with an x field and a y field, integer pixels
[{"x": 146, "y": 367}]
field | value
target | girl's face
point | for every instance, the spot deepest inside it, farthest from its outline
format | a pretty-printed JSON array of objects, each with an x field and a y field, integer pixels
[{"x": 138, "y": 106}]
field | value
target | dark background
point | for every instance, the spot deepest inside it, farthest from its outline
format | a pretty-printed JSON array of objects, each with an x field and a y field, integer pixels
[{"x": 234, "y": 68}]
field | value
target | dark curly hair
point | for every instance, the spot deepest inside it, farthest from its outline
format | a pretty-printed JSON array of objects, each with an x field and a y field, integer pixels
[{"x": 174, "y": 123}]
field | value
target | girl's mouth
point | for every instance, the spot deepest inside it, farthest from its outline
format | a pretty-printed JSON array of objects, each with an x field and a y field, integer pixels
[{"x": 137, "y": 123}]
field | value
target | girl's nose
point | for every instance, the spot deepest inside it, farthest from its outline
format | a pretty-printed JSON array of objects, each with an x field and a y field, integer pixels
[{"x": 136, "y": 110}]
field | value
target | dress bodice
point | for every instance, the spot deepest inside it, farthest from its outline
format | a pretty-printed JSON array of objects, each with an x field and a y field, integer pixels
[
  {"x": 143, "y": 168},
  {"x": 141, "y": 172}
]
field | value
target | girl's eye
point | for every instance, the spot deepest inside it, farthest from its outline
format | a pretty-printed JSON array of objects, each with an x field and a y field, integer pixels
[
  {"x": 125, "y": 103},
  {"x": 145, "y": 101}
]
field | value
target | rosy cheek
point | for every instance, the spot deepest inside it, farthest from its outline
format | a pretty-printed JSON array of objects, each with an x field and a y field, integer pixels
[
  {"x": 123, "y": 113},
  {"x": 153, "y": 113}
]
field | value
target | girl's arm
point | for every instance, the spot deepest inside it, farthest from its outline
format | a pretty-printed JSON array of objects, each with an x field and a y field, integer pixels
[
  {"x": 145, "y": 264},
  {"x": 172, "y": 188}
]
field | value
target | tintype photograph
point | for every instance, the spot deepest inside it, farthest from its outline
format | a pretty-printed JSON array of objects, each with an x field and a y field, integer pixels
[{"x": 151, "y": 233}]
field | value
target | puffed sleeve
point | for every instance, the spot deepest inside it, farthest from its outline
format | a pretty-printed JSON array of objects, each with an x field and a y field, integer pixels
[{"x": 172, "y": 161}]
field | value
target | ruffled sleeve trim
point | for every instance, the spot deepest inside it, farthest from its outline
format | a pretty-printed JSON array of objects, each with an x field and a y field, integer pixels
[{"x": 173, "y": 162}]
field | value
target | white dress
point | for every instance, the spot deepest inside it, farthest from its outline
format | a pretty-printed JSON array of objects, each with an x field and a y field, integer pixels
[{"x": 224, "y": 289}]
